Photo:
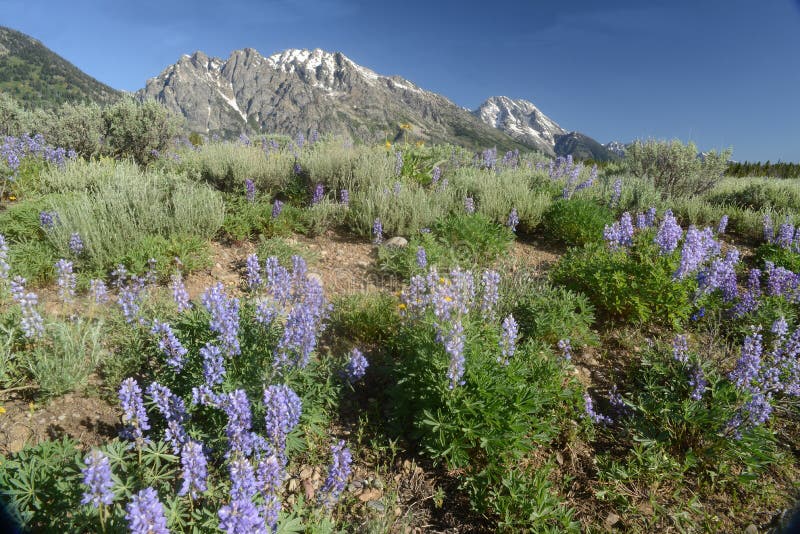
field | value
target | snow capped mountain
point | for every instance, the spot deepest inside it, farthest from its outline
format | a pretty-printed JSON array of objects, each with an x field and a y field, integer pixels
[
  {"x": 616, "y": 147},
  {"x": 521, "y": 120}
]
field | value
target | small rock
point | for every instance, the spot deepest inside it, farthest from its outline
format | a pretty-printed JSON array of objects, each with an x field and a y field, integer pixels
[
  {"x": 294, "y": 485},
  {"x": 398, "y": 242},
  {"x": 363, "y": 264},
  {"x": 559, "y": 458},
  {"x": 398, "y": 511},
  {"x": 306, "y": 472},
  {"x": 612, "y": 519},
  {"x": 62, "y": 417},
  {"x": 751, "y": 529},
  {"x": 377, "y": 484},
  {"x": 370, "y": 495},
  {"x": 378, "y": 506}
]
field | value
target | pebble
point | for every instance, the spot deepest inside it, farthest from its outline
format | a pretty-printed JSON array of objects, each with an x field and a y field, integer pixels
[
  {"x": 378, "y": 506},
  {"x": 398, "y": 242},
  {"x": 751, "y": 529},
  {"x": 612, "y": 519}
]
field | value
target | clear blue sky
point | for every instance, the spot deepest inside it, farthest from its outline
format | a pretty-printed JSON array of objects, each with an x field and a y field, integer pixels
[{"x": 719, "y": 72}]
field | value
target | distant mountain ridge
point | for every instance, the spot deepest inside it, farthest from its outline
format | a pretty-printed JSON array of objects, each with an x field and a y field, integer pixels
[{"x": 37, "y": 76}]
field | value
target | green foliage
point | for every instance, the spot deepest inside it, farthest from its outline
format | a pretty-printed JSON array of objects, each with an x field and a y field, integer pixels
[
  {"x": 136, "y": 206},
  {"x": 137, "y": 130},
  {"x": 365, "y": 319},
  {"x": 490, "y": 425},
  {"x": 781, "y": 257},
  {"x": 63, "y": 361},
  {"x": 465, "y": 240},
  {"x": 577, "y": 221},
  {"x": 79, "y": 127},
  {"x": 757, "y": 195},
  {"x": 284, "y": 250},
  {"x": 548, "y": 313},
  {"x": 674, "y": 168},
  {"x": 632, "y": 285}
]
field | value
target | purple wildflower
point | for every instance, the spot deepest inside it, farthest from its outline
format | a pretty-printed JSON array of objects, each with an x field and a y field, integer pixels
[
  {"x": 377, "y": 232},
  {"x": 469, "y": 205},
  {"x": 173, "y": 409},
  {"x": 769, "y": 232},
  {"x": 338, "y": 474},
  {"x": 344, "y": 197},
  {"x": 66, "y": 280},
  {"x": 4, "y": 266},
  {"x": 436, "y": 173},
  {"x": 513, "y": 220},
  {"x": 723, "y": 225},
  {"x": 490, "y": 281},
  {"x": 31, "y": 323},
  {"x": 282, "y": 413},
  {"x": 356, "y": 366},
  {"x": 99, "y": 291},
  {"x": 721, "y": 274},
  {"x": 237, "y": 407},
  {"x": 193, "y": 462},
  {"x": 454, "y": 346},
  {"x": 277, "y": 207},
  {"x": 134, "y": 415},
  {"x": 669, "y": 233},
  {"x": 249, "y": 190},
  {"x": 508, "y": 339},
  {"x": 224, "y": 322},
  {"x": 566, "y": 348},
  {"x": 698, "y": 247},
  {"x": 179, "y": 293},
  {"x": 169, "y": 345},
  {"x": 785, "y": 235},
  {"x": 76, "y": 244},
  {"x": 319, "y": 192},
  {"x": 651, "y": 216},
  {"x": 697, "y": 382},
  {"x": 616, "y": 192},
  {"x": 680, "y": 348},
  {"x": 145, "y": 513},
  {"x": 749, "y": 364},
  {"x": 47, "y": 219},
  {"x": 596, "y": 418},
  {"x": 97, "y": 477},
  {"x": 422, "y": 258},
  {"x": 253, "y": 272}
]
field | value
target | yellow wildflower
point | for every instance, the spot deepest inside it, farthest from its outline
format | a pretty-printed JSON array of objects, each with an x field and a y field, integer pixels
[
  {"x": 402, "y": 306},
  {"x": 420, "y": 143},
  {"x": 388, "y": 144},
  {"x": 2, "y": 410}
]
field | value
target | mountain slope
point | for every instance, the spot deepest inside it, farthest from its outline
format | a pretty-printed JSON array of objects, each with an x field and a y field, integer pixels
[
  {"x": 582, "y": 147},
  {"x": 38, "y": 77},
  {"x": 302, "y": 90}
]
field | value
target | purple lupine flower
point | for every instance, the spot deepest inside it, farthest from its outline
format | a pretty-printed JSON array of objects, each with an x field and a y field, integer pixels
[
  {"x": 179, "y": 293},
  {"x": 240, "y": 516},
  {"x": 436, "y": 173},
  {"x": 253, "y": 272},
  {"x": 145, "y": 513},
  {"x": 237, "y": 407},
  {"x": 749, "y": 363},
  {"x": 356, "y": 366},
  {"x": 194, "y": 464},
  {"x": 130, "y": 295},
  {"x": 490, "y": 158},
  {"x": 76, "y": 244},
  {"x": 398, "y": 163},
  {"x": 490, "y": 294},
  {"x": 173, "y": 409},
  {"x": 723, "y": 225},
  {"x": 319, "y": 192},
  {"x": 4, "y": 266},
  {"x": 244, "y": 139},
  {"x": 566, "y": 348},
  {"x": 47, "y": 219},
  {"x": 721, "y": 274},
  {"x": 277, "y": 207},
  {"x": 422, "y": 258},
  {"x": 785, "y": 235},
  {"x": 619, "y": 234},
  {"x": 697, "y": 382},
  {"x": 300, "y": 140},
  {"x": 651, "y": 216},
  {"x": 454, "y": 347},
  {"x": 338, "y": 474},
  {"x": 98, "y": 291},
  {"x": 769, "y": 232},
  {"x": 169, "y": 345},
  {"x": 134, "y": 415},
  {"x": 278, "y": 280},
  {"x": 616, "y": 192},
  {"x": 266, "y": 311},
  {"x": 31, "y": 323},
  {"x": 597, "y": 418},
  {"x": 314, "y": 136},
  {"x": 213, "y": 366},
  {"x": 513, "y": 220},
  {"x": 697, "y": 248},
  {"x": 669, "y": 233},
  {"x": 66, "y": 280},
  {"x": 344, "y": 197},
  {"x": 749, "y": 300},
  {"x": 680, "y": 348},
  {"x": 469, "y": 205},
  {"x": 641, "y": 221},
  {"x": 282, "y": 413},
  {"x": 377, "y": 232},
  {"x": 781, "y": 281},
  {"x": 508, "y": 339},
  {"x": 249, "y": 190},
  {"x": 302, "y": 326},
  {"x": 396, "y": 188},
  {"x": 617, "y": 402},
  {"x": 269, "y": 474},
  {"x": 151, "y": 276},
  {"x": 224, "y": 322},
  {"x": 97, "y": 478},
  {"x": 415, "y": 297}
]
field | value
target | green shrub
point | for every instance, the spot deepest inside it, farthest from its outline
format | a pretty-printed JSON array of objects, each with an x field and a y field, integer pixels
[
  {"x": 66, "y": 358},
  {"x": 632, "y": 285},
  {"x": 781, "y": 257},
  {"x": 577, "y": 221},
  {"x": 674, "y": 168},
  {"x": 365, "y": 319},
  {"x": 465, "y": 240},
  {"x": 134, "y": 205},
  {"x": 138, "y": 130},
  {"x": 78, "y": 127},
  {"x": 757, "y": 195},
  {"x": 548, "y": 313}
]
